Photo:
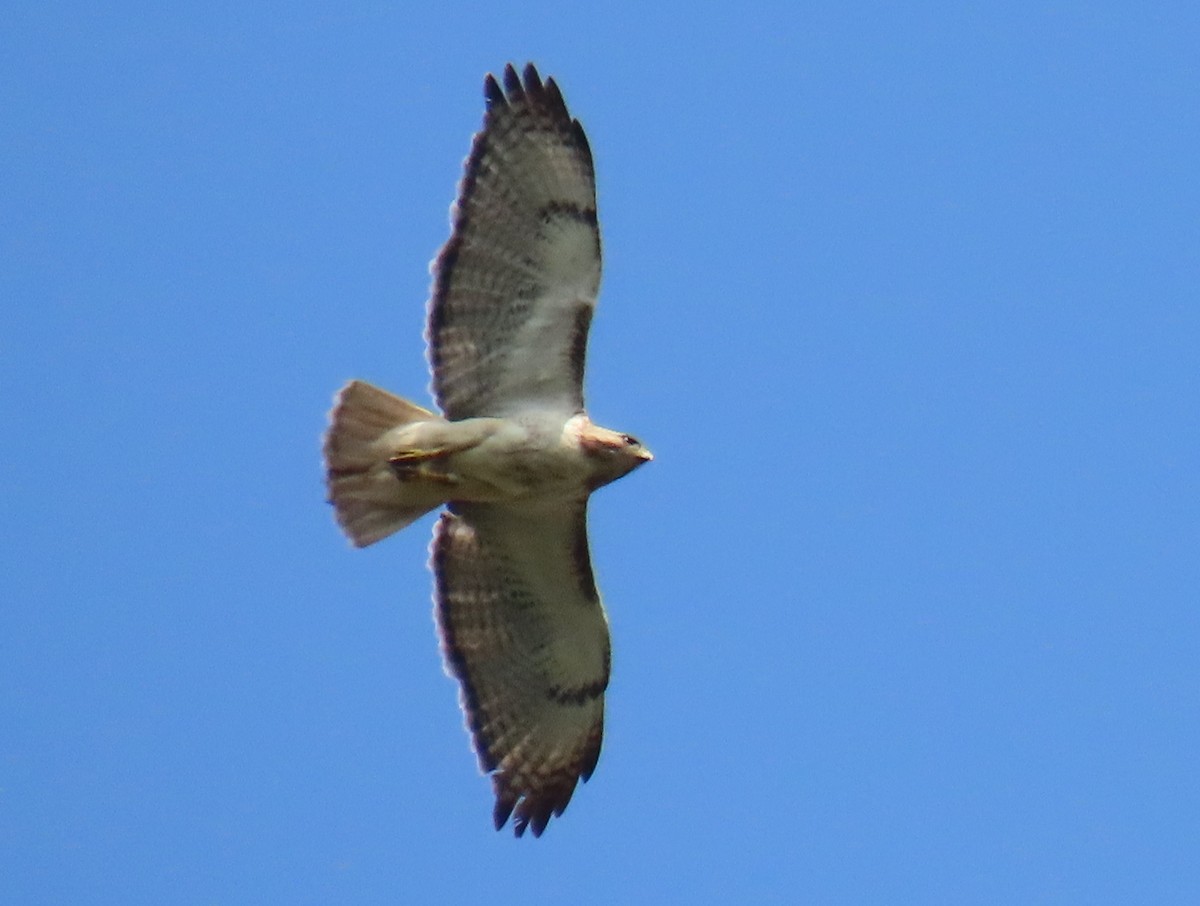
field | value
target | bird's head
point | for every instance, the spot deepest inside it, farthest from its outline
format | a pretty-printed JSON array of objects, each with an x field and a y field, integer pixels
[{"x": 612, "y": 453}]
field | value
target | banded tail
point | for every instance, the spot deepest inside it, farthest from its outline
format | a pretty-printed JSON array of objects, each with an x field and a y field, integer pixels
[{"x": 369, "y": 499}]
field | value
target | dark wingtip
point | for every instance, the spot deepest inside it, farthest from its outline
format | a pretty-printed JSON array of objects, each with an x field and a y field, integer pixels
[
  {"x": 592, "y": 758},
  {"x": 540, "y": 819},
  {"x": 511, "y": 88},
  {"x": 554, "y": 97},
  {"x": 492, "y": 94},
  {"x": 581, "y": 139},
  {"x": 533, "y": 81},
  {"x": 504, "y": 807},
  {"x": 512, "y": 83},
  {"x": 532, "y": 811}
]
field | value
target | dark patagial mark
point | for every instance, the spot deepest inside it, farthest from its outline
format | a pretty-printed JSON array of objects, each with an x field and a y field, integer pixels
[
  {"x": 577, "y": 352},
  {"x": 582, "y": 560},
  {"x": 567, "y": 210},
  {"x": 577, "y": 695}
]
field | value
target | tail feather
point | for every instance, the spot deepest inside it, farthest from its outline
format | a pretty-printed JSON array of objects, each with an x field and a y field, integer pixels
[{"x": 368, "y": 498}]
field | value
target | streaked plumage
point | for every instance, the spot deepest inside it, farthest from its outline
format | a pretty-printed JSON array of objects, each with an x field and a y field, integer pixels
[{"x": 513, "y": 456}]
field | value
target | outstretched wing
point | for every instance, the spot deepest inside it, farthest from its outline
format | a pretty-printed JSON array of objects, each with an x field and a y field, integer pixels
[
  {"x": 524, "y": 632},
  {"x": 516, "y": 284}
]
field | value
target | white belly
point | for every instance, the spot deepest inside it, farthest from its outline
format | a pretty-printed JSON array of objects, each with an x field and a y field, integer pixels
[{"x": 527, "y": 460}]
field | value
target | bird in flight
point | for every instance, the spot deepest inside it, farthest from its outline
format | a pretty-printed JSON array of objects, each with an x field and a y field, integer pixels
[{"x": 513, "y": 456}]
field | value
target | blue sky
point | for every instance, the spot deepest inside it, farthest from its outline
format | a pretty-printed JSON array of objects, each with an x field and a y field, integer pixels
[{"x": 903, "y": 298}]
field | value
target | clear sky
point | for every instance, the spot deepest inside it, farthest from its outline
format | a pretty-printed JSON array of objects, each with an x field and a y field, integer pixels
[{"x": 902, "y": 296}]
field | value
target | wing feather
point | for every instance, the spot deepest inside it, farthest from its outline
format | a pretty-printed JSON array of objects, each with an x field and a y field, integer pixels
[
  {"x": 524, "y": 632},
  {"x": 515, "y": 286}
]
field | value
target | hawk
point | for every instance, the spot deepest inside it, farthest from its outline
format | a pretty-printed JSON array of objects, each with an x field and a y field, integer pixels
[{"x": 513, "y": 456}]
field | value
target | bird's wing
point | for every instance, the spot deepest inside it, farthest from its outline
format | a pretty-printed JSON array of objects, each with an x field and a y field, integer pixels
[
  {"x": 523, "y": 630},
  {"x": 515, "y": 286}
]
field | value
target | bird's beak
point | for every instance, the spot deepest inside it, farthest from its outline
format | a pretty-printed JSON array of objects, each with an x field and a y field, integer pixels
[{"x": 645, "y": 455}]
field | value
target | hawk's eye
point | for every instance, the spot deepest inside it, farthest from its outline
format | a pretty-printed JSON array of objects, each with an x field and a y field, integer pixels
[{"x": 630, "y": 440}]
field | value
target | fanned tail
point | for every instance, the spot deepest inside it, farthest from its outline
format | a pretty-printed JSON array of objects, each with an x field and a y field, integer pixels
[{"x": 368, "y": 498}]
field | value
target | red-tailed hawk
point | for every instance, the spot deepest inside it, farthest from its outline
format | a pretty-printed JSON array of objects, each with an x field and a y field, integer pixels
[{"x": 513, "y": 456}]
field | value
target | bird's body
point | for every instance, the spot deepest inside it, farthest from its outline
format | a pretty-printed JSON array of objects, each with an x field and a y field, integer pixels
[
  {"x": 534, "y": 457},
  {"x": 513, "y": 455}
]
